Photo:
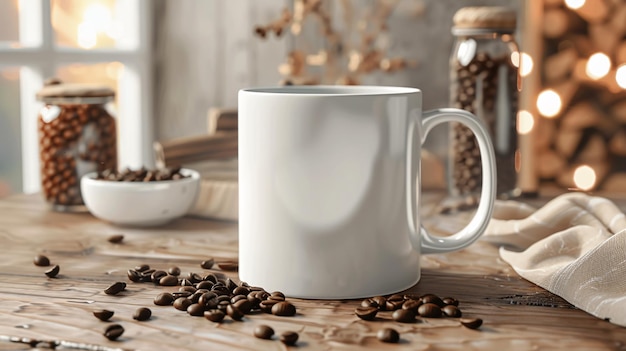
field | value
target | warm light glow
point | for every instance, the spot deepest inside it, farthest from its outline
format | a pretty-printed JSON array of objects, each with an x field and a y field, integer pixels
[
  {"x": 549, "y": 103},
  {"x": 515, "y": 58},
  {"x": 598, "y": 65},
  {"x": 98, "y": 16},
  {"x": 97, "y": 19},
  {"x": 525, "y": 122},
  {"x": 87, "y": 36},
  {"x": 574, "y": 4},
  {"x": 620, "y": 76},
  {"x": 526, "y": 65},
  {"x": 585, "y": 177}
]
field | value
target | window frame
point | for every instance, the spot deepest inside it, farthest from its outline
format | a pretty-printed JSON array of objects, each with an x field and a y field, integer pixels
[{"x": 42, "y": 57}]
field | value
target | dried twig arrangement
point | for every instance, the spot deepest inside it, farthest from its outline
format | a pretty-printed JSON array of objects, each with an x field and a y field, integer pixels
[{"x": 342, "y": 60}]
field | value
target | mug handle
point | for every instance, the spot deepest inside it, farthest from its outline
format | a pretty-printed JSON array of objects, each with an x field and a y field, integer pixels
[{"x": 478, "y": 224}]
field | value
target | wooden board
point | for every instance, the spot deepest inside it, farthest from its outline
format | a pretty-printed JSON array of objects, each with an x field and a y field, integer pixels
[{"x": 517, "y": 314}]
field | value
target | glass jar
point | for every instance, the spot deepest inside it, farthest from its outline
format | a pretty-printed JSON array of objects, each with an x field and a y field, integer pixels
[
  {"x": 484, "y": 80},
  {"x": 77, "y": 135}
]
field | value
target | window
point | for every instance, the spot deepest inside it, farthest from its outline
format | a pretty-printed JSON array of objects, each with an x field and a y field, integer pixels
[{"x": 80, "y": 41}]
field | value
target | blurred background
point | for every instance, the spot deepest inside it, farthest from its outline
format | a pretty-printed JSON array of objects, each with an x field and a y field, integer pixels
[{"x": 171, "y": 61}]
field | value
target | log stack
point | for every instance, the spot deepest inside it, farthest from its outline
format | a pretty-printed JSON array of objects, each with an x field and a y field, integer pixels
[{"x": 590, "y": 128}]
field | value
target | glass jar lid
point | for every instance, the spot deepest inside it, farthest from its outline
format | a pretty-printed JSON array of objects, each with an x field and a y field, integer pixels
[
  {"x": 484, "y": 19},
  {"x": 57, "y": 92}
]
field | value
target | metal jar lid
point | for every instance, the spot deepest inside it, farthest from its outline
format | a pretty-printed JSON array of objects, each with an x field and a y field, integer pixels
[
  {"x": 57, "y": 92},
  {"x": 484, "y": 19}
]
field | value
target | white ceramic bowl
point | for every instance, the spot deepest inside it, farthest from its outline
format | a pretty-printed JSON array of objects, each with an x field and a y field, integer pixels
[{"x": 140, "y": 203}]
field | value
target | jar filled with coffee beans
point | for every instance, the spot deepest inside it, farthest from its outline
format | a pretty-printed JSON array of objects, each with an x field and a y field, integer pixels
[
  {"x": 484, "y": 79},
  {"x": 77, "y": 135}
]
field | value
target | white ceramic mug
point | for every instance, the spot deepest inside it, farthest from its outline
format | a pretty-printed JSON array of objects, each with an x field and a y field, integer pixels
[{"x": 328, "y": 202}]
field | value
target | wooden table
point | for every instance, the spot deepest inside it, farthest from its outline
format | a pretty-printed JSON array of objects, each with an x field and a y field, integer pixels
[{"x": 517, "y": 314}]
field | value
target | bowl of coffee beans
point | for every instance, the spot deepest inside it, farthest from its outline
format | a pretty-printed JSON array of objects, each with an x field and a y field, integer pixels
[{"x": 140, "y": 197}]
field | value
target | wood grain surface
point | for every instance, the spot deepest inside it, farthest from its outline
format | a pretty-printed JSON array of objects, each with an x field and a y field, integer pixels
[{"x": 517, "y": 314}]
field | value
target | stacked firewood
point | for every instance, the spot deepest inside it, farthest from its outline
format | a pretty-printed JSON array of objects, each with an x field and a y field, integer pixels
[{"x": 584, "y": 45}]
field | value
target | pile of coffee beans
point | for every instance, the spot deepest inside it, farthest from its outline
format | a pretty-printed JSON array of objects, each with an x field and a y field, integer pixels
[
  {"x": 211, "y": 295},
  {"x": 475, "y": 89},
  {"x": 141, "y": 175},
  {"x": 408, "y": 309},
  {"x": 74, "y": 139}
]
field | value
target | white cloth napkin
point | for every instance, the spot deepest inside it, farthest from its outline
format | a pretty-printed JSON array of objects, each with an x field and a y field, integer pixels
[{"x": 574, "y": 247}]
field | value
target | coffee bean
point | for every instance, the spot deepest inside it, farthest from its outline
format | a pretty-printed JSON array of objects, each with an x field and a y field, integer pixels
[
  {"x": 221, "y": 298},
  {"x": 157, "y": 275},
  {"x": 186, "y": 282},
  {"x": 188, "y": 288},
  {"x": 471, "y": 323},
  {"x": 175, "y": 271},
  {"x": 429, "y": 310},
  {"x": 194, "y": 277},
  {"x": 276, "y": 298},
  {"x": 277, "y": 294},
  {"x": 366, "y": 313},
  {"x": 381, "y": 302},
  {"x": 412, "y": 305},
  {"x": 195, "y": 310},
  {"x": 41, "y": 261},
  {"x": 214, "y": 315},
  {"x": 393, "y": 305},
  {"x": 283, "y": 308},
  {"x": 244, "y": 305},
  {"x": 164, "y": 299},
  {"x": 403, "y": 316},
  {"x": 207, "y": 264},
  {"x": 142, "y": 268},
  {"x": 133, "y": 275},
  {"x": 395, "y": 297},
  {"x": 103, "y": 315},
  {"x": 178, "y": 294},
  {"x": 233, "y": 312},
  {"x": 263, "y": 295},
  {"x": 230, "y": 266},
  {"x": 263, "y": 332},
  {"x": 230, "y": 284},
  {"x": 113, "y": 331},
  {"x": 210, "y": 278},
  {"x": 241, "y": 290},
  {"x": 142, "y": 314},
  {"x": 254, "y": 300},
  {"x": 206, "y": 297},
  {"x": 220, "y": 289},
  {"x": 53, "y": 272},
  {"x": 451, "y": 311},
  {"x": 182, "y": 303},
  {"x": 369, "y": 303},
  {"x": 267, "y": 305},
  {"x": 115, "y": 288},
  {"x": 388, "y": 335},
  {"x": 431, "y": 298},
  {"x": 450, "y": 301},
  {"x": 289, "y": 338},
  {"x": 204, "y": 285},
  {"x": 168, "y": 280},
  {"x": 116, "y": 239}
]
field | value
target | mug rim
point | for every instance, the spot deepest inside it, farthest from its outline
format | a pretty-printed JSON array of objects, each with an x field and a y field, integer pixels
[{"x": 331, "y": 90}]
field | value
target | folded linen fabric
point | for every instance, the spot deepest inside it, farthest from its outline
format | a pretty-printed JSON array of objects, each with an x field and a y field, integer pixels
[{"x": 574, "y": 247}]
